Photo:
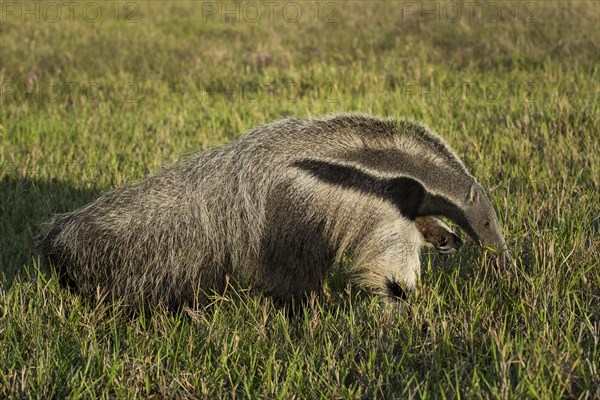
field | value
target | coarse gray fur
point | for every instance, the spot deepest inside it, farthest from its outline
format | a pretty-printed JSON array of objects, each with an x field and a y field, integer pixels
[{"x": 274, "y": 210}]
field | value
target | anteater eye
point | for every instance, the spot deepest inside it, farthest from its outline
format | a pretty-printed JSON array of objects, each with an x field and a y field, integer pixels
[
  {"x": 444, "y": 241},
  {"x": 487, "y": 225}
]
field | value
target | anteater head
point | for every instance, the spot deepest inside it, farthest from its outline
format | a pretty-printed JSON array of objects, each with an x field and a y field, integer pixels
[{"x": 482, "y": 223}]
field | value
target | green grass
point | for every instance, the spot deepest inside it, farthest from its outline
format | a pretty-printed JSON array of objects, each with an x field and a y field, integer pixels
[{"x": 517, "y": 98}]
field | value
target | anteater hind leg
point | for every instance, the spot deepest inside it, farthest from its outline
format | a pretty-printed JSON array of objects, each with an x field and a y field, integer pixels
[{"x": 388, "y": 262}]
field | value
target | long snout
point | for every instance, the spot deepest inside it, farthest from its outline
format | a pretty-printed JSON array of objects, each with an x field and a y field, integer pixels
[{"x": 499, "y": 251}]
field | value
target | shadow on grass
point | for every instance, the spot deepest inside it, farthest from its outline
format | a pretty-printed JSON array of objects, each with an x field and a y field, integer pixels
[{"x": 25, "y": 205}]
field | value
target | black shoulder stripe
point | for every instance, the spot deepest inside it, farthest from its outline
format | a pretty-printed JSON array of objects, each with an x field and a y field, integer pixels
[{"x": 404, "y": 192}]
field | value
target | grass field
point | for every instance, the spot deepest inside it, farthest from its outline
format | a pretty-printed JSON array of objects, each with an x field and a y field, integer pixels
[{"x": 98, "y": 94}]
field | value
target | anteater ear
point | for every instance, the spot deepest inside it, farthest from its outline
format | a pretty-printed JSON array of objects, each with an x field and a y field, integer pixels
[{"x": 473, "y": 194}]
